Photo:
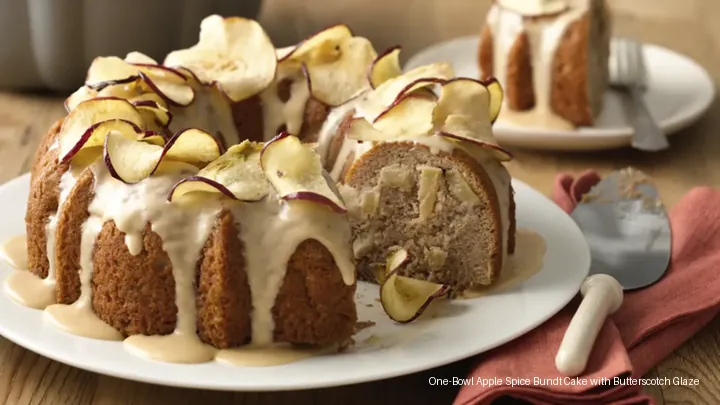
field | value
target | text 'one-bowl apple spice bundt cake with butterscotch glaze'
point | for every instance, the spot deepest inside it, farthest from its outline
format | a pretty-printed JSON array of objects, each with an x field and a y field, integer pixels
[
  {"x": 551, "y": 57},
  {"x": 227, "y": 197}
]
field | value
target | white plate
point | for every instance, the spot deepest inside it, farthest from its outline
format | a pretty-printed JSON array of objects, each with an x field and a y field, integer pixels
[
  {"x": 463, "y": 329},
  {"x": 679, "y": 92}
]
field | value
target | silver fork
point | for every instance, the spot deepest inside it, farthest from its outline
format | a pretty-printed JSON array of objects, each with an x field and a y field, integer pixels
[{"x": 628, "y": 74}]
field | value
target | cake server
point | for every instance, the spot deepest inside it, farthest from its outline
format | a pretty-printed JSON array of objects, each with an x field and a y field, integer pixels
[{"x": 629, "y": 235}]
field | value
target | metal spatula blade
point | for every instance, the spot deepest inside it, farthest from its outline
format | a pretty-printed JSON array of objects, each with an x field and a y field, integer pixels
[
  {"x": 625, "y": 225},
  {"x": 629, "y": 235}
]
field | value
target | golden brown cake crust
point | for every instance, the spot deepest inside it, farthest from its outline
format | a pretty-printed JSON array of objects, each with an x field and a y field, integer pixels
[
  {"x": 41, "y": 156},
  {"x": 42, "y": 203},
  {"x": 364, "y": 173},
  {"x": 486, "y": 48},
  {"x": 314, "y": 305},
  {"x": 68, "y": 238},
  {"x": 569, "y": 96},
  {"x": 135, "y": 294},
  {"x": 223, "y": 294}
]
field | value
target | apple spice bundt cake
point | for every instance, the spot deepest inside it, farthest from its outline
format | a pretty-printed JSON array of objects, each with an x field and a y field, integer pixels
[
  {"x": 551, "y": 57},
  {"x": 173, "y": 201}
]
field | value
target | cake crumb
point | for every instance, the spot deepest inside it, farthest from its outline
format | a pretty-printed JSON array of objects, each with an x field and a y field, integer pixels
[{"x": 360, "y": 325}]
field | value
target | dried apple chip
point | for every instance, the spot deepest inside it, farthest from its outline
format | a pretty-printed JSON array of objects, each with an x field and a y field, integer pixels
[
  {"x": 236, "y": 174},
  {"x": 80, "y": 126},
  {"x": 404, "y": 299},
  {"x": 295, "y": 171}
]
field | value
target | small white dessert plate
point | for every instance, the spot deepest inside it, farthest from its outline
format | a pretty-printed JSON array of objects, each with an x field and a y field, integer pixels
[
  {"x": 679, "y": 92},
  {"x": 461, "y": 329}
]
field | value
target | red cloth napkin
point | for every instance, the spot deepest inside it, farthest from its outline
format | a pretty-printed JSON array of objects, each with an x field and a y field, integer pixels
[{"x": 650, "y": 324}]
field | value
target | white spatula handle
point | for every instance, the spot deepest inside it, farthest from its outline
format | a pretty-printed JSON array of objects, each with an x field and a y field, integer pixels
[{"x": 602, "y": 295}]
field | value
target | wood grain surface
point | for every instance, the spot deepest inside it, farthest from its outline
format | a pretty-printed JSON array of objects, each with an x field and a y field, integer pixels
[{"x": 688, "y": 26}]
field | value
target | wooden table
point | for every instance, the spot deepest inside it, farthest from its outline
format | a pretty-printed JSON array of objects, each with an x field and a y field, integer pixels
[{"x": 26, "y": 378}]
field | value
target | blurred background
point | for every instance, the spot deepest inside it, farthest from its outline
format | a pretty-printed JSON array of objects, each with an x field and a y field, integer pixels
[{"x": 49, "y": 44}]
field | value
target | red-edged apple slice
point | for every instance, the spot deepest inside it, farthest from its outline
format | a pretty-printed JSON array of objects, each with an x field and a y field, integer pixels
[
  {"x": 152, "y": 138},
  {"x": 360, "y": 130},
  {"x": 389, "y": 91},
  {"x": 82, "y": 94},
  {"x": 128, "y": 160},
  {"x": 409, "y": 116},
  {"x": 465, "y": 129},
  {"x": 149, "y": 97},
  {"x": 385, "y": 67},
  {"x": 404, "y": 299},
  {"x": 496, "y": 97},
  {"x": 159, "y": 113},
  {"x": 323, "y": 41},
  {"x": 394, "y": 260},
  {"x": 463, "y": 96},
  {"x": 139, "y": 57},
  {"x": 193, "y": 145},
  {"x": 77, "y": 128},
  {"x": 335, "y": 82},
  {"x": 236, "y": 174},
  {"x": 109, "y": 70},
  {"x": 178, "y": 93},
  {"x": 234, "y": 52},
  {"x": 296, "y": 172}
]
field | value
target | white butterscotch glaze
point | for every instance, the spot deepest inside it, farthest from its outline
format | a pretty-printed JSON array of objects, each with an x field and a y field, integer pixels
[
  {"x": 290, "y": 112},
  {"x": 209, "y": 111},
  {"x": 271, "y": 230},
  {"x": 544, "y": 35},
  {"x": 534, "y": 8},
  {"x": 14, "y": 252},
  {"x": 530, "y": 248}
]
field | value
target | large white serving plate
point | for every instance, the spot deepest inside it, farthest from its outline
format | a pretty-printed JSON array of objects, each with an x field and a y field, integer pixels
[
  {"x": 679, "y": 92},
  {"x": 460, "y": 329}
]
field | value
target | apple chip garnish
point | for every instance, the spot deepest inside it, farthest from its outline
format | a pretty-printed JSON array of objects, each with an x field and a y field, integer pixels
[
  {"x": 496, "y": 97},
  {"x": 84, "y": 93},
  {"x": 234, "y": 52},
  {"x": 79, "y": 129},
  {"x": 131, "y": 161},
  {"x": 318, "y": 44},
  {"x": 408, "y": 117},
  {"x": 193, "y": 145},
  {"x": 392, "y": 89},
  {"x": 153, "y": 138},
  {"x": 385, "y": 67},
  {"x": 109, "y": 70},
  {"x": 404, "y": 299},
  {"x": 139, "y": 57},
  {"x": 170, "y": 84},
  {"x": 338, "y": 81},
  {"x": 295, "y": 171},
  {"x": 463, "y": 96},
  {"x": 172, "y": 90},
  {"x": 394, "y": 260},
  {"x": 464, "y": 129},
  {"x": 128, "y": 160},
  {"x": 160, "y": 114},
  {"x": 236, "y": 174}
]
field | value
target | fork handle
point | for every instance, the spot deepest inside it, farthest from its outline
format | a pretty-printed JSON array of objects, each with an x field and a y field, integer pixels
[
  {"x": 647, "y": 136},
  {"x": 602, "y": 295}
]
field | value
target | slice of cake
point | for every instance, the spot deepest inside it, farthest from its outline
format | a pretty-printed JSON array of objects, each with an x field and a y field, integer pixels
[
  {"x": 428, "y": 194},
  {"x": 551, "y": 57}
]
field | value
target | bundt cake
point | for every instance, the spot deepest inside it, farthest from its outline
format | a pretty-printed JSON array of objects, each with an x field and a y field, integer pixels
[
  {"x": 551, "y": 57},
  {"x": 228, "y": 196}
]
